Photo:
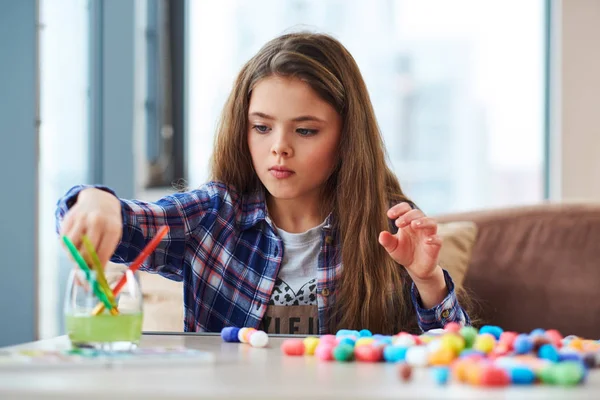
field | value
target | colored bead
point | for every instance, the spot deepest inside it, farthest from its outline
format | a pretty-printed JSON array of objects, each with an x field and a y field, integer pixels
[
  {"x": 293, "y": 347},
  {"x": 230, "y": 334},
  {"x": 538, "y": 332},
  {"x": 405, "y": 372},
  {"x": 348, "y": 341},
  {"x": 568, "y": 373},
  {"x": 405, "y": 340},
  {"x": 549, "y": 352},
  {"x": 555, "y": 337},
  {"x": 394, "y": 353},
  {"x": 495, "y": 331},
  {"x": 453, "y": 327},
  {"x": 508, "y": 338},
  {"x": 310, "y": 344},
  {"x": 440, "y": 375},
  {"x": 343, "y": 352},
  {"x": 364, "y": 341},
  {"x": 368, "y": 353},
  {"x": 365, "y": 333},
  {"x": 485, "y": 343},
  {"x": 522, "y": 375},
  {"x": 324, "y": 351},
  {"x": 330, "y": 339},
  {"x": 453, "y": 342},
  {"x": 259, "y": 339},
  {"x": 469, "y": 334},
  {"x": 494, "y": 376},
  {"x": 443, "y": 356},
  {"x": 522, "y": 344},
  {"x": 416, "y": 356}
]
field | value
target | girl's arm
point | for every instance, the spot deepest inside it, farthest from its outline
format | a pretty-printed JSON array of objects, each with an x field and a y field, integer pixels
[{"x": 182, "y": 212}]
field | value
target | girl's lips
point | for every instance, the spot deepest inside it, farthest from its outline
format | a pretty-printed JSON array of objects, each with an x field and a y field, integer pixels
[{"x": 281, "y": 174}]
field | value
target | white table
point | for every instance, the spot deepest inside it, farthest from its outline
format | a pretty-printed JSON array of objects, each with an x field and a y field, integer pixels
[{"x": 243, "y": 372}]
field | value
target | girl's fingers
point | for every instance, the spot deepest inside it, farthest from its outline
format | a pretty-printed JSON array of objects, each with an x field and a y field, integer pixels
[
  {"x": 426, "y": 224},
  {"x": 408, "y": 217},
  {"x": 433, "y": 240},
  {"x": 398, "y": 210},
  {"x": 75, "y": 232}
]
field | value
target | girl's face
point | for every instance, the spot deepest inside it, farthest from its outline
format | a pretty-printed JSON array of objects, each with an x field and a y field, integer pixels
[{"x": 293, "y": 136}]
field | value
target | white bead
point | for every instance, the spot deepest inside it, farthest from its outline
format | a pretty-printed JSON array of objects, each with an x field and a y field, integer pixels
[
  {"x": 434, "y": 345},
  {"x": 241, "y": 334},
  {"x": 404, "y": 341},
  {"x": 417, "y": 356},
  {"x": 259, "y": 339}
]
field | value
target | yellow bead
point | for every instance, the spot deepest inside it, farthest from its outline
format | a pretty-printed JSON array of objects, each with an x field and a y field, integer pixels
[
  {"x": 310, "y": 344},
  {"x": 453, "y": 342},
  {"x": 485, "y": 343},
  {"x": 364, "y": 341}
]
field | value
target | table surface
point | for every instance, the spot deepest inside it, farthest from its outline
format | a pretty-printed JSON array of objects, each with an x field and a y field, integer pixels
[{"x": 243, "y": 372}]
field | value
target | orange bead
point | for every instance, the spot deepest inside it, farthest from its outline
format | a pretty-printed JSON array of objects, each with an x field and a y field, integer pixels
[{"x": 443, "y": 356}]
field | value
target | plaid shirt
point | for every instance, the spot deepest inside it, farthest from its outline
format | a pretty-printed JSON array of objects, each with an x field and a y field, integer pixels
[{"x": 224, "y": 248}]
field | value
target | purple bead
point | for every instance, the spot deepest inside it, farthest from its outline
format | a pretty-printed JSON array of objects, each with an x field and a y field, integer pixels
[{"x": 230, "y": 334}]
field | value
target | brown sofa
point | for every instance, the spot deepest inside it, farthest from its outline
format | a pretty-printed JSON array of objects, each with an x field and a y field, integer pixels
[
  {"x": 536, "y": 267},
  {"x": 526, "y": 267}
]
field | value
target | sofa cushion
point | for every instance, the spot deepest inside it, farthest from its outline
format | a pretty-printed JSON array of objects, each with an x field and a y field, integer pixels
[
  {"x": 458, "y": 239},
  {"x": 537, "y": 267}
]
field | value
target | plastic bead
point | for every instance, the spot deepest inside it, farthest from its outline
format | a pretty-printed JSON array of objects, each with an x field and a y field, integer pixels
[
  {"x": 259, "y": 339},
  {"x": 494, "y": 376},
  {"x": 368, "y": 353},
  {"x": 453, "y": 327},
  {"x": 310, "y": 344},
  {"x": 549, "y": 352},
  {"x": 568, "y": 373},
  {"x": 405, "y": 372},
  {"x": 405, "y": 340},
  {"x": 440, "y": 375},
  {"x": 469, "y": 334},
  {"x": 495, "y": 331},
  {"x": 348, "y": 341},
  {"x": 485, "y": 343},
  {"x": 343, "y": 352},
  {"x": 293, "y": 347},
  {"x": 364, "y": 341},
  {"x": 443, "y": 356},
  {"x": 522, "y": 375},
  {"x": 508, "y": 338},
  {"x": 453, "y": 342},
  {"x": 416, "y": 356},
  {"x": 365, "y": 333},
  {"x": 324, "y": 351},
  {"x": 230, "y": 334},
  {"x": 522, "y": 344},
  {"x": 394, "y": 353}
]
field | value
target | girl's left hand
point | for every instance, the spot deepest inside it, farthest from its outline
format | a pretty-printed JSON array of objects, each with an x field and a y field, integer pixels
[{"x": 416, "y": 245}]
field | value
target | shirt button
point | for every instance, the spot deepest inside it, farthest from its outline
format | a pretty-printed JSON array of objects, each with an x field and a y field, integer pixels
[
  {"x": 325, "y": 292},
  {"x": 445, "y": 314},
  {"x": 328, "y": 239}
]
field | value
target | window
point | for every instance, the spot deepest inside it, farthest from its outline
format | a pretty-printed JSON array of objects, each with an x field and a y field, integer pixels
[{"x": 458, "y": 87}]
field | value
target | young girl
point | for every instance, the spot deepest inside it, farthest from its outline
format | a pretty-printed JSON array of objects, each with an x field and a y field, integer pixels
[{"x": 292, "y": 234}]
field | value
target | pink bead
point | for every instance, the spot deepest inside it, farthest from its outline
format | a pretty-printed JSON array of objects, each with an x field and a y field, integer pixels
[
  {"x": 453, "y": 327},
  {"x": 293, "y": 347},
  {"x": 368, "y": 353},
  {"x": 324, "y": 351},
  {"x": 508, "y": 338},
  {"x": 329, "y": 339},
  {"x": 555, "y": 337}
]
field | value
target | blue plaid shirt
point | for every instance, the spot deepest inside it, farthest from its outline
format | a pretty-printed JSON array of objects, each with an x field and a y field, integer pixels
[{"x": 224, "y": 248}]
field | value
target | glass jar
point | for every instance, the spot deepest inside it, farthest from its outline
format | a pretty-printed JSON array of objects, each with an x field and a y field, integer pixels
[{"x": 86, "y": 328}]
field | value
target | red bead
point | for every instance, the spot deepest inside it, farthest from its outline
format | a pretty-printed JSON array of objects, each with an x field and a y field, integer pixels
[
  {"x": 453, "y": 327},
  {"x": 405, "y": 372},
  {"x": 494, "y": 376},
  {"x": 293, "y": 347},
  {"x": 368, "y": 353}
]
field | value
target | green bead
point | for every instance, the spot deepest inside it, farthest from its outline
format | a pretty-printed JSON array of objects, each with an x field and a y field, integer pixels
[
  {"x": 568, "y": 373},
  {"x": 547, "y": 374},
  {"x": 343, "y": 352},
  {"x": 469, "y": 334}
]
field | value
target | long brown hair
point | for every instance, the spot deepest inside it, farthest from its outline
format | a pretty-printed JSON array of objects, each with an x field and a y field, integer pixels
[{"x": 373, "y": 292}]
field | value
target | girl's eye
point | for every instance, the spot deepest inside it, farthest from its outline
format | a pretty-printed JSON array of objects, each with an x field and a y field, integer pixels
[
  {"x": 261, "y": 128},
  {"x": 306, "y": 132}
]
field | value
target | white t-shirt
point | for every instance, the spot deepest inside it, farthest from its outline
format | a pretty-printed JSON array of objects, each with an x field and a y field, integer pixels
[{"x": 293, "y": 304}]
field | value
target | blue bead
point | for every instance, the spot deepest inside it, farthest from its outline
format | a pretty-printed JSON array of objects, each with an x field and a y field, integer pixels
[
  {"x": 521, "y": 375},
  {"x": 348, "y": 340},
  {"x": 522, "y": 344},
  {"x": 394, "y": 353},
  {"x": 365, "y": 333},
  {"x": 496, "y": 331},
  {"x": 440, "y": 375},
  {"x": 230, "y": 334},
  {"x": 569, "y": 357},
  {"x": 470, "y": 352},
  {"x": 549, "y": 352},
  {"x": 538, "y": 332}
]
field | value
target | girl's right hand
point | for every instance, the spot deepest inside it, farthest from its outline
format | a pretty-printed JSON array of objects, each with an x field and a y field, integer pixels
[{"x": 96, "y": 214}]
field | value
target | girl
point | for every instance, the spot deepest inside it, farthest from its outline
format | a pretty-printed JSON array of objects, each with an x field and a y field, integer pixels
[{"x": 292, "y": 234}]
